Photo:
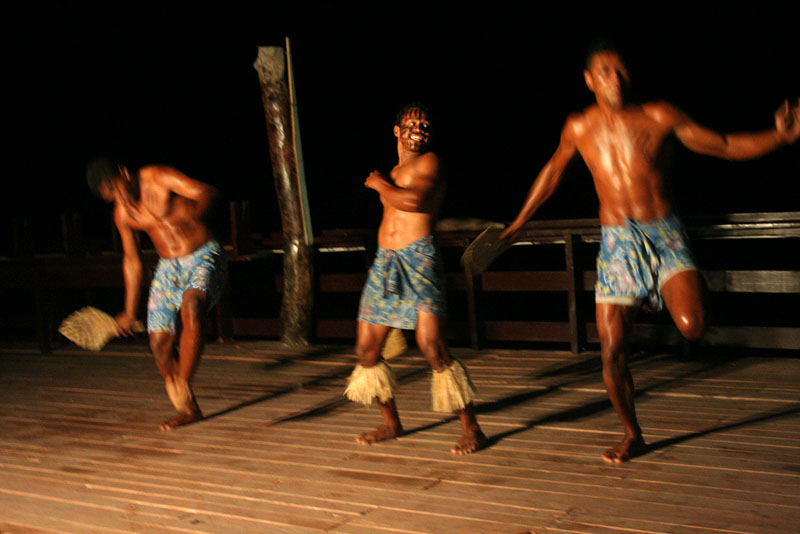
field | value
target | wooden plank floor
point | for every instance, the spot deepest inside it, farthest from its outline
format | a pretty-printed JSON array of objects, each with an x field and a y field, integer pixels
[{"x": 81, "y": 452}]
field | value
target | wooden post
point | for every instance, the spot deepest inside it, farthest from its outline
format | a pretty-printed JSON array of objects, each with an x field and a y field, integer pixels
[
  {"x": 241, "y": 229},
  {"x": 472, "y": 308},
  {"x": 296, "y": 308},
  {"x": 577, "y": 330}
]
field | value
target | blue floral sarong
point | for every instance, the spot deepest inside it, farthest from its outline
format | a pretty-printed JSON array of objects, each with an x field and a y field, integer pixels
[
  {"x": 403, "y": 282},
  {"x": 203, "y": 269},
  {"x": 636, "y": 259}
]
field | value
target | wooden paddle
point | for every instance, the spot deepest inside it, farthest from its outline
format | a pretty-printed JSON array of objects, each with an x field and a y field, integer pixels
[{"x": 484, "y": 249}]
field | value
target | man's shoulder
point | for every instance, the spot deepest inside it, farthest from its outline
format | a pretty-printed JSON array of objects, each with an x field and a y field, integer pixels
[
  {"x": 154, "y": 171},
  {"x": 428, "y": 157},
  {"x": 661, "y": 111},
  {"x": 579, "y": 122},
  {"x": 424, "y": 167},
  {"x": 427, "y": 161}
]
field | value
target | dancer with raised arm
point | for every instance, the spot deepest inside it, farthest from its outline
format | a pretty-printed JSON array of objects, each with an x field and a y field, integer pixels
[{"x": 644, "y": 255}]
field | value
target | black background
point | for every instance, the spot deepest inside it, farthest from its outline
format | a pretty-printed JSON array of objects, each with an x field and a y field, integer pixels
[{"x": 176, "y": 86}]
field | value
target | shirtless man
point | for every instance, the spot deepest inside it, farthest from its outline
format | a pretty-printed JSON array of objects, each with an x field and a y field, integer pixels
[
  {"x": 169, "y": 206},
  {"x": 644, "y": 255},
  {"x": 405, "y": 288}
]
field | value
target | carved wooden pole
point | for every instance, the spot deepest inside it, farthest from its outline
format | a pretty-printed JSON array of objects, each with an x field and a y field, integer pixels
[{"x": 296, "y": 317}]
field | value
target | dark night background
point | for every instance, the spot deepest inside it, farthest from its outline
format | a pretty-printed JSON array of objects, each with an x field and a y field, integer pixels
[{"x": 176, "y": 86}]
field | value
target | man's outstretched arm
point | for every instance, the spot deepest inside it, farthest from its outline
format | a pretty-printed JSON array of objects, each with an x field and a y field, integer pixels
[
  {"x": 739, "y": 146},
  {"x": 546, "y": 182}
]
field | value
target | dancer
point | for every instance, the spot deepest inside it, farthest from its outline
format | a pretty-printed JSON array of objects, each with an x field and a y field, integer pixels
[
  {"x": 405, "y": 288},
  {"x": 644, "y": 256},
  {"x": 169, "y": 206}
]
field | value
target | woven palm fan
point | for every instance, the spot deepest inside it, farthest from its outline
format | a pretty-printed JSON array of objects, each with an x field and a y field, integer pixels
[
  {"x": 90, "y": 328},
  {"x": 484, "y": 249}
]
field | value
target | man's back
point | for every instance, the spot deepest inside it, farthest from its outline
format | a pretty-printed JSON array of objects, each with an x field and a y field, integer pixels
[
  {"x": 622, "y": 144},
  {"x": 169, "y": 209},
  {"x": 621, "y": 148}
]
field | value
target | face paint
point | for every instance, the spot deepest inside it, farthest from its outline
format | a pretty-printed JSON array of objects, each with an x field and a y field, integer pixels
[{"x": 415, "y": 130}]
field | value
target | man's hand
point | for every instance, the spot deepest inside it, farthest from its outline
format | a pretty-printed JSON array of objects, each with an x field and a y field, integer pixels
[
  {"x": 125, "y": 324},
  {"x": 511, "y": 233},
  {"x": 787, "y": 121},
  {"x": 374, "y": 179}
]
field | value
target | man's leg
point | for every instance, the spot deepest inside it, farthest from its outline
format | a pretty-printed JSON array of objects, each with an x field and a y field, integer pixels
[
  {"x": 682, "y": 295},
  {"x": 614, "y": 326},
  {"x": 369, "y": 339},
  {"x": 432, "y": 345},
  {"x": 162, "y": 345},
  {"x": 193, "y": 317},
  {"x": 192, "y": 340}
]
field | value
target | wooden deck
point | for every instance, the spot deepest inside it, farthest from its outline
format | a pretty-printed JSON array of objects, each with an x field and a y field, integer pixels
[{"x": 81, "y": 452}]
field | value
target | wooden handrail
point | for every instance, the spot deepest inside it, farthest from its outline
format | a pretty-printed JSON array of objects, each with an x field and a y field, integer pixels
[{"x": 45, "y": 273}]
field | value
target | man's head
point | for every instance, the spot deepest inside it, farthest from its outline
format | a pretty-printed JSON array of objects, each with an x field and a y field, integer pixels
[
  {"x": 102, "y": 175},
  {"x": 413, "y": 127},
  {"x": 606, "y": 74}
]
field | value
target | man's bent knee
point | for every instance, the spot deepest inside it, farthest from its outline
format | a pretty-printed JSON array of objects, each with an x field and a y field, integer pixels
[
  {"x": 690, "y": 326},
  {"x": 683, "y": 296}
]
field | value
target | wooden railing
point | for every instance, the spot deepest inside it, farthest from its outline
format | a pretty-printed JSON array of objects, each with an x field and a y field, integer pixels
[
  {"x": 576, "y": 280},
  {"x": 480, "y": 323},
  {"x": 539, "y": 291}
]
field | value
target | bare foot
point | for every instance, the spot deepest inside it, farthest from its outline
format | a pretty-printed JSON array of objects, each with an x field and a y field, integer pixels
[
  {"x": 382, "y": 433},
  {"x": 629, "y": 447},
  {"x": 470, "y": 442},
  {"x": 181, "y": 419}
]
